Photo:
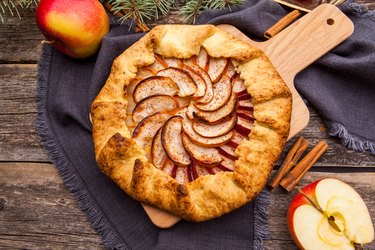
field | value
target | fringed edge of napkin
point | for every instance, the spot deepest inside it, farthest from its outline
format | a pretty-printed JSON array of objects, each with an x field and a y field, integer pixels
[
  {"x": 73, "y": 182},
  {"x": 111, "y": 238},
  {"x": 350, "y": 140},
  {"x": 261, "y": 211}
]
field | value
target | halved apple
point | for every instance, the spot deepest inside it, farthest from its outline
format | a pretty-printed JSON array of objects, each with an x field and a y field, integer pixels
[
  {"x": 222, "y": 93},
  {"x": 244, "y": 126},
  {"x": 214, "y": 130},
  {"x": 147, "y": 128},
  {"x": 217, "y": 68},
  {"x": 187, "y": 127},
  {"x": 204, "y": 156},
  {"x": 172, "y": 141},
  {"x": 153, "y": 104},
  {"x": 158, "y": 155},
  {"x": 201, "y": 84},
  {"x": 185, "y": 83},
  {"x": 208, "y": 95},
  {"x": 155, "y": 85},
  {"x": 310, "y": 229},
  {"x": 222, "y": 114}
]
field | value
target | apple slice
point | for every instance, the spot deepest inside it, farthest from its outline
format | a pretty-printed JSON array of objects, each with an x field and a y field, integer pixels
[
  {"x": 192, "y": 172},
  {"x": 228, "y": 152},
  {"x": 147, "y": 128},
  {"x": 238, "y": 85},
  {"x": 173, "y": 62},
  {"x": 172, "y": 141},
  {"x": 210, "y": 131},
  {"x": 204, "y": 156},
  {"x": 217, "y": 68},
  {"x": 169, "y": 167},
  {"x": 155, "y": 85},
  {"x": 202, "y": 59},
  {"x": 201, "y": 170},
  {"x": 158, "y": 155},
  {"x": 231, "y": 71},
  {"x": 201, "y": 84},
  {"x": 244, "y": 126},
  {"x": 185, "y": 83},
  {"x": 181, "y": 175},
  {"x": 310, "y": 228},
  {"x": 159, "y": 63},
  {"x": 222, "y": 93},
  {"x": 187, "y": 127},
  {"x": 247, "y": 115},
  {"x": 222, "y": 114},
  {"x": 208, "y": 95},
  {"x": 153, "y": 104}
]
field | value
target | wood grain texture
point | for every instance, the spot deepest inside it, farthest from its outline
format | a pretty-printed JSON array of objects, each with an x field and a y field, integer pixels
[{"x": 36, "y": 210}]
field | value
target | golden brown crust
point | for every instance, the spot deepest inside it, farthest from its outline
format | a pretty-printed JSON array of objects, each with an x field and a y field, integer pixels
[{"x": 125, "y": 162}]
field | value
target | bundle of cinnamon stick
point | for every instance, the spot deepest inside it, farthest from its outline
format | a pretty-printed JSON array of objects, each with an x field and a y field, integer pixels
[{"x": 291, "y": 173}]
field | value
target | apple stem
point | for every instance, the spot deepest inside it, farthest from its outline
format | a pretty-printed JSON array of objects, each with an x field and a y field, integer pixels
[
  {"x": 48, "y": 41},
  {"x": 331, "y": 219}
]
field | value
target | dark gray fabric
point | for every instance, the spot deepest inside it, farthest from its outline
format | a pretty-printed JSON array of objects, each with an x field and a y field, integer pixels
[{"x": 66, "y": 88}]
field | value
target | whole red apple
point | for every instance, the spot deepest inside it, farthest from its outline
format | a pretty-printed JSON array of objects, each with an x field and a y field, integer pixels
[
  {"x": 311, "y": 229},
  {"x": 74, "y": 27}
]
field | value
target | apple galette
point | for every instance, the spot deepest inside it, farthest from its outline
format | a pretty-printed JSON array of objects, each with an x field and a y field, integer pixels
[{"x": 191, "y": 120}]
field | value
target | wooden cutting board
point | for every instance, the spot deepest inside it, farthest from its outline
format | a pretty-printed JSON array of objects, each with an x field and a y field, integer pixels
[{"x": 290, "y": 51}]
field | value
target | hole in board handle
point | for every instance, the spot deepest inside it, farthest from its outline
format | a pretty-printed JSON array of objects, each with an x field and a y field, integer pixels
[{"x": 330, "y": 21}]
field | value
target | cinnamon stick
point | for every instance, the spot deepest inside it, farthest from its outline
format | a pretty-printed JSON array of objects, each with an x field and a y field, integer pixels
[
  {"x": 291, "y": 158},
  {"x": 303, "y": 166},
  {"x": 282, "y": 23}
]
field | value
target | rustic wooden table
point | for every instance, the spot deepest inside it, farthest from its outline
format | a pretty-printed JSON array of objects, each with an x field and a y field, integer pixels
[{"x": 37, "y": 211}]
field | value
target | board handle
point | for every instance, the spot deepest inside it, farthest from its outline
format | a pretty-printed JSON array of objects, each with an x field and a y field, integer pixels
[{"x": 306, "y": 40}]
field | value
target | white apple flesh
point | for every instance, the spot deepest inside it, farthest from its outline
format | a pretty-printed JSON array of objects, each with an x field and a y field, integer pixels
[{"x": 310, "y": 228}]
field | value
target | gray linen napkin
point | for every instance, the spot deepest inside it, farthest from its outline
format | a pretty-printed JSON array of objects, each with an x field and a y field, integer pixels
[{"x": 66, "y": 88}]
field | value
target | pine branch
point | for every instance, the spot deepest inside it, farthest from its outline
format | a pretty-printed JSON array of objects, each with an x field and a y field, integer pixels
[
  {"x": 10, "y": 7},
  {"x": 194, "y": 7}
]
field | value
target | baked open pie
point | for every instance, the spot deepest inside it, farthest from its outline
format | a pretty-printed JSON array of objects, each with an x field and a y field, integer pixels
[{"x": 191, "y": 120}]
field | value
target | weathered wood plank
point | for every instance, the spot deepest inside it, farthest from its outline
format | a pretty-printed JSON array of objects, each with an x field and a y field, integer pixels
[
  {"x": 36, "y": 210},
  {"x": 19, "y": 141}
]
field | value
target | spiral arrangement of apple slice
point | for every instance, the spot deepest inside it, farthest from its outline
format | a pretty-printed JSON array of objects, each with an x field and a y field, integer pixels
[{"x": 189, "y": 115}]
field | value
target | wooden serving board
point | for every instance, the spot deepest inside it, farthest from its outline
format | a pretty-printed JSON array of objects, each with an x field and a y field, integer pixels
[{"x": 290, "y": 51}]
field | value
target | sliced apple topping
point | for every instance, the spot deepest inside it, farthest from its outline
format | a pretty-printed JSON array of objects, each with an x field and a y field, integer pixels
[
  {"x": 173, "y": 62},
  {"x": 158, "y": 155},
  {"x": 231, "y": 71},
  {"x": 147, "y": 128},
  {"x": 228, "y": 152},
  {"x": 203, "y": 141},
  {"x": 153, "y": 104},
  {"x": 172, "y": 141},
  {"x": 155, "y": 85},
  {"x": 244, "y": 126},
  {"x": 185, "y": 83},
  {"x": 222, "y": 93},
  {"x": 181, "y": 175},
  {"x": 204, "y": 156},
  {"x": 245, "y": 105},
  {"x": 201, "y": 84},
  {"x": 169, "y": 167},
  {"x": 238, "y": 85},
  {"x": 159, "y": 63},
  {"x": 202, "y": 59},
  {"x": 192, "y": 172},
  {"x": 222, "y": 114},
  {"x": 209, "y": 93},
  {"x": 217, "y": 68},
  {"x": 214, "y": 130}
]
